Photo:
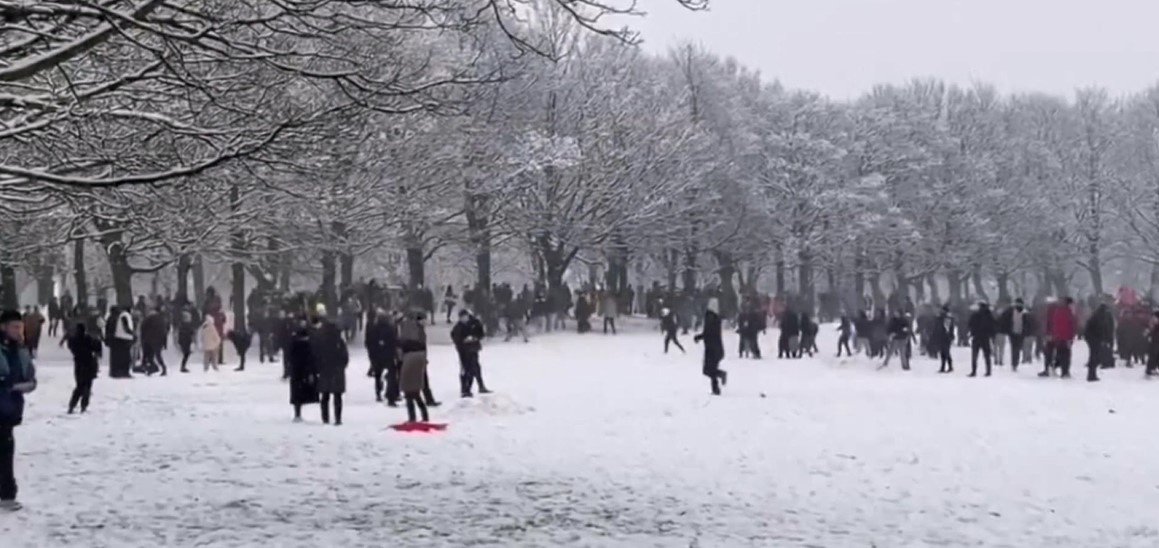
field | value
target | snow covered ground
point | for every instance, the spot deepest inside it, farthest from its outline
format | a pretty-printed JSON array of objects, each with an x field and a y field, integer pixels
[{"x": 602, "y": 442}]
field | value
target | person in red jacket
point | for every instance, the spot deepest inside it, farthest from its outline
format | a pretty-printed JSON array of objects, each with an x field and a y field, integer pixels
[{"x": 1061, "y": 327}]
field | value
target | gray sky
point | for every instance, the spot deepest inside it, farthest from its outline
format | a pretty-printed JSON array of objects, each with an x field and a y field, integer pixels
[{"x": 843, "y": 47}]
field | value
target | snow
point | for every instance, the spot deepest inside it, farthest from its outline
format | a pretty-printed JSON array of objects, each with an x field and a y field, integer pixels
[{"x": 598, "y": 441}]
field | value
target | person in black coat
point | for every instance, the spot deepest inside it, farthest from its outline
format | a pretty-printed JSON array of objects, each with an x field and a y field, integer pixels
[
  {"x": 241, "y": 340},
  {"x": 1100, "y": 335},
  {"x": 1153, "y": 345},
  {"x": 713, "y": 347},
  {"x": 790, "y": 330},
  {"x": 86, "y": 360},
  {"x": 328, "y": 348},
  {"x": 845, "y": 331},
  {"x": 983, "y": 328},
  {"x": 154, "y": 333},
  {"x": 750, "y": 325},
  {"x": 670, "y": 324},
  {"x": 809, "y": 330},
  {"x": 942, "y": 339},
  {"x": 468, "y": 336},
  {"x": 382, "y": 349},
  {"x": 187, "y": 326},
  {"x": 302, "y": 369}
]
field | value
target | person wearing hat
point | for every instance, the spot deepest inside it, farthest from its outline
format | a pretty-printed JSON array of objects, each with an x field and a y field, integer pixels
[
  {"x": 412, "y": 346},
  {"x": 468, "y": 338},
  {"x": 17, "y": 378},
  {"x": 982, "y": 330},
  {"x": 942, "y": 338}
]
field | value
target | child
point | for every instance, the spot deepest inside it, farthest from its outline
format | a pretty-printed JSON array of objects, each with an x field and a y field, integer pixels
[
  {"x": 210, "y": 343},
  {"x": 846, "y": 331}
]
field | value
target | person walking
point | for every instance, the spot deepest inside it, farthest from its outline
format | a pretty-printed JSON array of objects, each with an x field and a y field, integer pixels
[
  {"x": 412, "y": 344},
  {"x": 153, "y": 340},
  {"x": 302, "y": 372},
  {"x": 670, "y": 324},
  {"x": 86, "y": 359},
  {"x": 1099, "y": 334},
  {"x": 942, "y": 339},
  {"x": 210, "y": 344},
  {"x": 382, "y": 350},
  {"x": 713, "y": 346},
  {"x": 1016, "y": 323},
  {"x": 468, "y": 338},
  {"x": 845, "y": 333},
  {"x": 610, "y": 312},
  {"x": 982, "y": 330},
  {"x": 328, "y": 348},
  {"x": 1061, "y": 329},
  {"x": 17, "y": 379},
  {"x": 899, "y": 336}
]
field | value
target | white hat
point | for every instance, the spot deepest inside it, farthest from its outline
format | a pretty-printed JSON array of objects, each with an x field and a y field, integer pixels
[{"x": 714, "y": 305}]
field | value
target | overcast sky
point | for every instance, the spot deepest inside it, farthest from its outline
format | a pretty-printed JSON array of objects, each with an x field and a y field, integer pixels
[{"x": 843, "y": 47}]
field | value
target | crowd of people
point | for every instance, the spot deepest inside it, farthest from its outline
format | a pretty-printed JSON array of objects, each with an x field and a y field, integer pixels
[{"x": 312, "y": 344}]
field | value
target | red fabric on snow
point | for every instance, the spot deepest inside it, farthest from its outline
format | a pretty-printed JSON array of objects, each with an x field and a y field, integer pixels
[{"x": 419, "y": 427}]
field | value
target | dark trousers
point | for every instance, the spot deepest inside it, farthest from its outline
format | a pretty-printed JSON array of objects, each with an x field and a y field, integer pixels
[
  {"x": 428, "y": 394},
  {"x": 1016, "y": 344},
  {"x": 151, "y": 359},
  {"x": 714, "y": 373},
  {"x": 120, "y": 359},
  {"x": 186, "y": 350},
  {"x": 1061, "y": 353},
  {"x": 265, "y": 349},
  {"x": 983, "y": 346},
  {"x": 843, "y": 343},
  {"x": 670, "y": 338},
  {"x": 946, "y": 357},
  {"x": 750, "y": 343},
  {"x": 1098, "y": 356},
  {"x": 81, "y": 394},
  {"x": 470, "y": 372},
  {"x": 7, "y": 468},
  {"x": 392, "y": 388},
  {"x": 378, "y": 371},
  {"x": 607, "y": 321},
  {"x": 337, "y": 398},
  {"x": 415, "y": 399}
]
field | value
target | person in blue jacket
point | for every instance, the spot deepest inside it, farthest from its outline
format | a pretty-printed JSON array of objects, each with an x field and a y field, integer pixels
[{"x": 17, "y": 378}]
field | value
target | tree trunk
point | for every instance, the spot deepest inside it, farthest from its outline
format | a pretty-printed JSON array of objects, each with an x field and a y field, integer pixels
[
  {"x": 80, "y": 276},
  {"x": 45, "y": 284},
  {"x": 805, "y": 281},
  {"x": 779, "y": 267},
  {"x": 184, "y": 265},
  {"x": 198, "y": 280},
  {"x": 1095, "y": 268},
  {"x": 1003, "y": 280},
  {"x": 11, "y": 297},
  {"x": 122, "y": 275},
  {"x": 671, "y": 265},
  {"x": 416, "y": 266},
  {"x": 329, "y": 277},
  {"x": 345, "y": 257},
  {"x": 954, "y": 280},
  {"x": 237, "y": 247},
  {"x": 479, "y": 232},
  {"x": 859, "y": 278},
  {"x": 935, "y": 293},
  {"x": 976, "y": 274},
  {"x": 726, "y": 269},
  {"x": 690, "y": 269}
]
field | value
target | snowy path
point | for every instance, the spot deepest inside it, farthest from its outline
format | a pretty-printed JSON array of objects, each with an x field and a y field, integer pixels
[{"x": 602, "y": 442}]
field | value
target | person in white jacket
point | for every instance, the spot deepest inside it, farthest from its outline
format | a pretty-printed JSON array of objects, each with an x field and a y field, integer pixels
[{"x": 210, "y": 343}]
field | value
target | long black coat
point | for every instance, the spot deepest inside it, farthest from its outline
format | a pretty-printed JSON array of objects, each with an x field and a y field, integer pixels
[
  {"x": 381, "y": 342},
  {"x": 470, "y": 329},
  {"x": 330, "y": 357},
  {"x": 86, "y": 354},
  {"x": 713, "y": 344},
  {"x": 303, "y": 370}
]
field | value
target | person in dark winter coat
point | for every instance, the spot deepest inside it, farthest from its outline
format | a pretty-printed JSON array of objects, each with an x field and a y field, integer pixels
[
  {"x": 328, "y": 348},
  {"x": 1016, "y": 323},
  {"x": 750, "y": 325},
  {"x": 303, "y": 371},
  {"x": 942, "y": 334},
  {"x": 468, "y": 338},
  {"x": 153, "y": 339},
  {"x": 187, "y": 327},
  {"x": 17, "y": 378},
  {"x": 1100, "y": 336},
  {"x": 1153, "y": 345},
  {"x": 982, "y": 330},
  {"x": 790, "y": 331},
  {"x": 845, "y": 333},
  {"x": 412, "y": 344},
  {"x": 670, "y": 325},
  {"x": 899, "y": 336},
  {"x": 86, "y": 360},
  {"x": 713, "y": 347},
  {"x": 241, "y": 340},
  {"x": 809, "y": 331},
  {"x": 382, "y": 349}
]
